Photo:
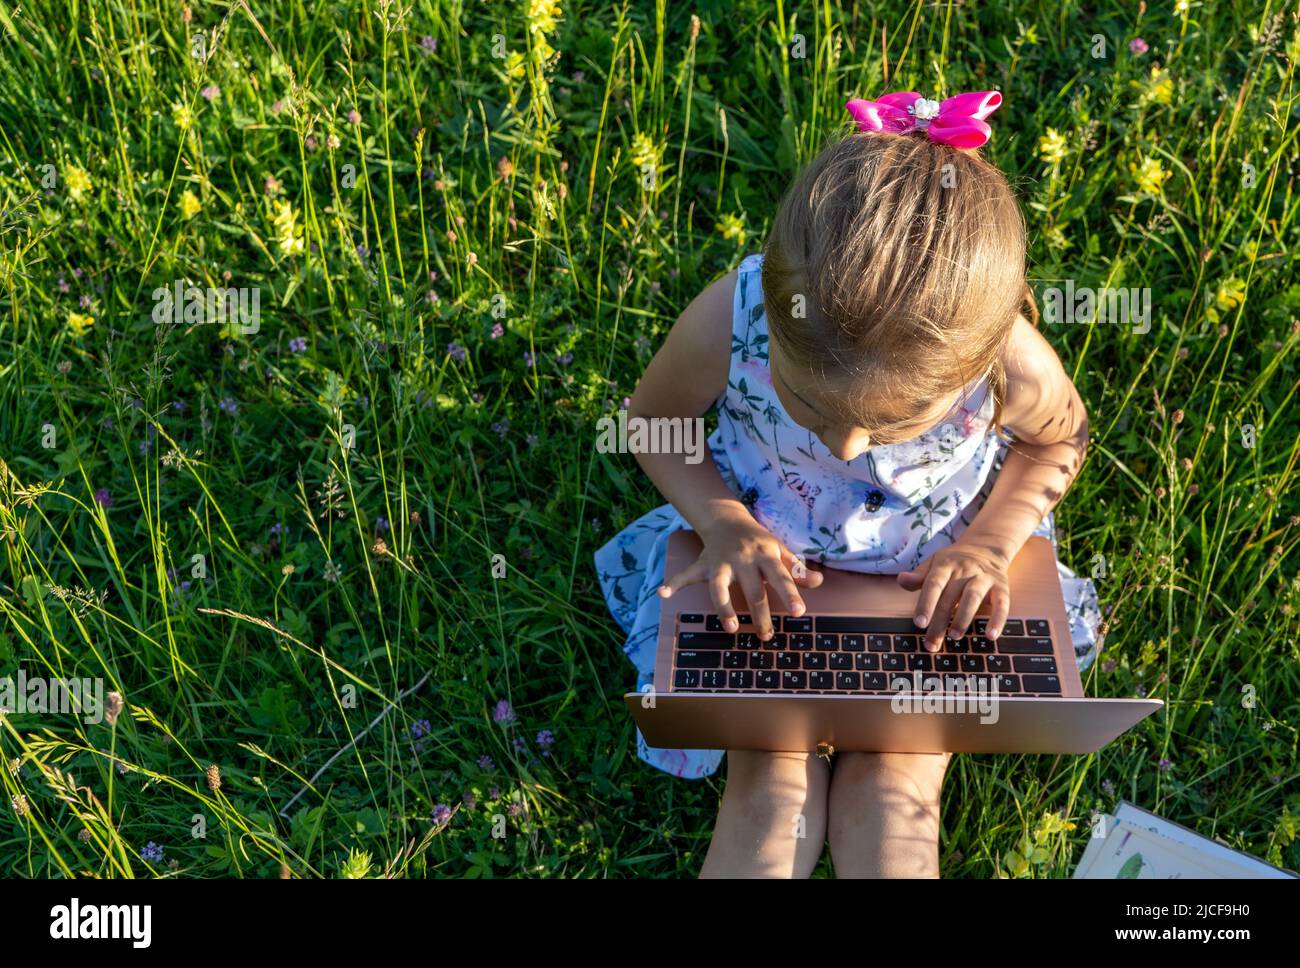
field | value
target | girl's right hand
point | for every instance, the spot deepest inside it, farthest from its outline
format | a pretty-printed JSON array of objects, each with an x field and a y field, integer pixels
[{"x": 739, "y": 549}]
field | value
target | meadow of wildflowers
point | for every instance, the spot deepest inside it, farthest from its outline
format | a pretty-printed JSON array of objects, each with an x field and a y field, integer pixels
[{"x": 334, "y": 571}]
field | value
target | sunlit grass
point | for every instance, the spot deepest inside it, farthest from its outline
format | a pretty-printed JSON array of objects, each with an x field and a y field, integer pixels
[{"x": 469, "y": 230}]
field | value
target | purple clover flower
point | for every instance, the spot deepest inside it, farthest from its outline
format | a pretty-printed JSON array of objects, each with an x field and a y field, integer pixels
[
  {"x": 457, "y": 352},
  {"x": 503, "y": 712},
  {"x": 103, "y": 498},
  {"x": 151, "y": 853},
  {"x": 441, "y": 813}
]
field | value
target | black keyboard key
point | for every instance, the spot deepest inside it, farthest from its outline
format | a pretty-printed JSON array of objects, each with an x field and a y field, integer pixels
[
  {"x": 705, "y": 640},
  {"x": 878, "y": 643},
  {"x": 748, "y": 640},
  {"x": 848, "y": 680},
  {"x": 1017, "y": 646},
  {"x": 866, "y": 662},
  {"x": 852, "y": 643},
  {"x": 698, "y": 660},
  {"x": 931, "y": 682},
  {"x": 828, "y": 643},
  {"x": 919, "y": 663},
  {"x": 776, "y": 643},
  {"x": 840, "y": 660},
  {"x": 1008, "y": 683},
  {"x": 794, "y": 680},
  {"x": 814, "y": 660},
  {"x": 945, "y": 663},
  {"x": 802, "y": 623},
  {"x": 776, "y": 623},
  {"x": 901, "y": 682},
  {"x": 893, "y": 662},
  {"x": 999, "y": 663},
  {"x": 801, "y": 643},
  {"x": 1035, "y": 663},
  {"x": 744, "y": 620},
  {"x": 1049, "y": 684},
  {"x": 980, "y": 644},
  {"x": 821, "y": 680},
  {"x": 848, "y": 623},
  {"x": 686, "y": 679},
  {"x": 714, "y": 624},
  {"x": 957, "y": 646},
  {"x": 1013, "y": 627},
  {"x": 1037, "y": 626},
  {"x": 906, "y": 643},
  {"x": 735, "y": 660},
  {"x": 972, "y": 663},
  {"x": 787, "y": 660},
  {"x": 690, "y": 618},
  {"x": 713, "y": 679},
  {"x": 954, "y": 684},
  {"x": 874, "y": 680},
  {"x": 761, "y": 660},
  {"x": 768, "y": 679},
  {"x": 741, "y": 680}
]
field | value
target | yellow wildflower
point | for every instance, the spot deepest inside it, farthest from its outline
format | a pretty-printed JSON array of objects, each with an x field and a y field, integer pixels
[
  {"x": 78, "y": 180},
  {"x": 182, "y": 116},
  {"x": 1150, "y": 175},
  {"x": 287, "y": 233},
  {"x": 732, "y": 227},
  {"x": 190, "y": 205},
  {"x": 80, "y": 323},
  {"x": 1230, "y": 294},
  {"x": 1160, "y": 88},
  {"x": 1052, "y": 147},
  {"x": 543, "y": 16}
]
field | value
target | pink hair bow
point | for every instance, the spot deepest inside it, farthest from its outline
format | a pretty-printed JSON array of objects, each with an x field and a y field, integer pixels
[{"x": 956, "y": 121}]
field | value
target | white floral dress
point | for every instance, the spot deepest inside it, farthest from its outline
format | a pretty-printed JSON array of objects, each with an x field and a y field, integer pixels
[{"x": 883, "y": 512}]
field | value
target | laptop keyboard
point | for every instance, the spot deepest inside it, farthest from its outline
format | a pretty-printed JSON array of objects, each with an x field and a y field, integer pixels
[{"x": 842, "y": 654}]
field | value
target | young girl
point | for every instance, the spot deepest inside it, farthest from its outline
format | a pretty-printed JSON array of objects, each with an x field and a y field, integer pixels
[{"x": 862, "y": 367}]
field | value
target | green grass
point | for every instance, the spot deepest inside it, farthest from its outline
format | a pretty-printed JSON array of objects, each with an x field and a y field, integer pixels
[{"x": 521, "y": 184}]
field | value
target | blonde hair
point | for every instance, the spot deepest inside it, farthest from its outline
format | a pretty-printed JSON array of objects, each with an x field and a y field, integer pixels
[{"x": 897, "y": 265}]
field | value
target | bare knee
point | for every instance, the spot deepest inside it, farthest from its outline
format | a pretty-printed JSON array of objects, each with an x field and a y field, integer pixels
[
  {"x": 922, "y": 773},
  {"x": 772, "y": 820}
]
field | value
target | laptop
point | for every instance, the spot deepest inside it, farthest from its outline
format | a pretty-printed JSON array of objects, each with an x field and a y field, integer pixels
[{"x": 851, "y": 674}]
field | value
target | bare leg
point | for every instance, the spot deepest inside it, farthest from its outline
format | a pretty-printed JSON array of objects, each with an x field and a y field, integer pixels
[
  {"x": 772, "y": 822},
  {"x": 884, "y": 814}
]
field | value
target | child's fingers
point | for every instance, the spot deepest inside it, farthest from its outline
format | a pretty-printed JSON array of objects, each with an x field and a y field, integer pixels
[
  {"x": 687, "y": 576},
  {"x": 976, "y": 591},
  {"x": 786, "y": 590},
  {"x": 912, "y": 580},
  {"x": 751, "y": 583},
  {"x": 720, "y": 588},
  {"x": 799, "y": 570},
  {"x": 1000, "y": 602},
  {"x": 947, "y": 601},
  {"x": 931, "y": 585}
]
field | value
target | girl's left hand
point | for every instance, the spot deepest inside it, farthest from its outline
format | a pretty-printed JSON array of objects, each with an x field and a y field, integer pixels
[{"x": 954, "y": 582}]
